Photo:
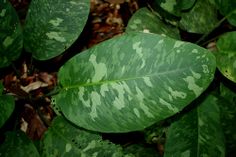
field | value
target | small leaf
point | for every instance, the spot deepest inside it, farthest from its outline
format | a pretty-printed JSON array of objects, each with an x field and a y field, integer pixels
[
  {"x": 226, "y": 55},
  {"x": 132, "y": 81},
  {"x": 186, "y": 4},
  {"x": 227, "y": 104},
  {"x": 18, "y": 144},
  {"x": 52, "y": 26},
  {"x": 201, "y": 19},
  {"x": 197, "y": 133},
  {"x": 7, "y": 106},
  {"x": 11, "y": 39},
  {"x": 228, "y": 8},
  {"x": 63, "y": 139},
  {"x": 145, "y": 21}
]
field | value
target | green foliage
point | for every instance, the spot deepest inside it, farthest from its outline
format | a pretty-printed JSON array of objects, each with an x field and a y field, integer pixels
[
  {"x": 197, "y": 132},
  {"x": 226, "y": 55},
  {"x": 49, "y": 31},
  {"x": 11, "y": 38},
  {"x": 135, "y": 82}
]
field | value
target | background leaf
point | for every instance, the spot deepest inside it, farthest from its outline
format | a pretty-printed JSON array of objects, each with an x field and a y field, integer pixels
[
  {"x": 226, "y": 55},
  {"x": 18, "y": 144},
  {"x": 140, "y": 150},
  {"x": 228, "y": 8},
  {"x": 52, "y": 26},
  {"x": 186, "y": 4},
  {"x": 145, "y": 21},
  {"x": 11, "y": 39},
  {"x": 141, "y": 79},
  {"x": 227, "y": 104},
  {"x": 63, "y": 139},
  {"x": 201, "y": 19},
  {"x": 197, "y": 133}
]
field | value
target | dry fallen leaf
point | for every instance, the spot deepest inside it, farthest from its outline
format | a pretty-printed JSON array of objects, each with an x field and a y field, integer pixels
[{"x": 34, "y": 86}]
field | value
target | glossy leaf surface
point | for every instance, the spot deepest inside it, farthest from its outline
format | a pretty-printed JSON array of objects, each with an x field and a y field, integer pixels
[
  {"x": 197, "y": 133},
  {"x": 52, "y": 26},
  {"x": 7, "y": 106},
  {"x": 18, "y": 144},
  {"x": 227, "y": 104},
  {"x": 11, "y": 39},
  {"x": 226, "y": 55},
  {"x": 145, "y": 21},
  {"x": 132, "y": 81},
  {"x": 63, "y": 139},
  {"x": 197, "y": 19},
  {"x": 228, "y": 9}
]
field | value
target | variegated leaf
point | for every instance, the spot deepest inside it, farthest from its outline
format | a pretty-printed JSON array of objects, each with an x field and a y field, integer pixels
[
  {"x": 145, "y": 21},
  {"x": 65, "y": 140},
  {"x": 132, "y": 81},
  {"x": 11, "y": 39},
  {"x": 197, "y": 133},
  {"x": 52, "y": 26}
]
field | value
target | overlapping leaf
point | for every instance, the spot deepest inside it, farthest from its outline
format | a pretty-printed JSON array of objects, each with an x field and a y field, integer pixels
[
  {"x": 132, "y": 81},
  {"x": 226, "y": 55},
  {"x": 52, "y": 26},
  {"x": 7, "y": 106},
  {"x": 11, "y": 39},
  {"x": 18, "y": 144},
  {"x": 197, "y": 133},
  {"x": 145, "y": 21},
  {"x": 63, "y": 139},
  {"x": 201, "y": 19}
]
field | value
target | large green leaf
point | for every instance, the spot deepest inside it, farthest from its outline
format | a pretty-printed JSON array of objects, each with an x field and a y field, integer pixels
[
  {"x": 228, "y": 9},
  {"x": 7, "y": 106},
  {"x": 201, "y": 19},
  {"x": 17, "y": 144},
  {"x": 132, "y": 81},
  {"x": 197, "y": 133},
  {"x": 227, "y": 104},
  {"x": 226, "y": 55},
  {"x": 145, "y": 21},
  {"x": 52, "y": 26},
  {"x": 11, "y": 39},
  {"x": 63, "y": 139}
]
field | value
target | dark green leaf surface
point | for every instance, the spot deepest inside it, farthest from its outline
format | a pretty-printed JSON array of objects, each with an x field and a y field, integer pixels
[
  {"x": 198, "y": 133},
  {"x": 228, "y": 9},
  {"x": 17, "y": 144},
  {"x": 63, "y": 139},
  {"x": 201, "y": 19},
  {"x": 140, "y": 150},
  {"x": 132, "y": 81},
  {"x": 7, "y": 106},
  {"x": 11, "y": 39},
  {"x": 52, "y": 26},
  {"x": 169, "y": 6},
  {"x": 226, "y": 55},
  {"x": 227, "y": 104},
  {"x": 186, "y": 4},
  {"x": 145, "y": 21}
]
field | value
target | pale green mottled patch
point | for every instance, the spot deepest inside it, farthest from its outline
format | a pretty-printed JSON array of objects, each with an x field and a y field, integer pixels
[
  {"x": 136, "y": 112},
  {"x": 160, "y": 41},
  {"x": 56, "y": 22},
  {"x": 96, "y": 101},
  {"x": 147, "y": 81},
  {"x": 119, "y": 101},
  {"x": 178, "y": 44},
  {"x": 8, "y": 41},
  {"x": 137, "y": 21},
  {"x": 205, "y": 69},
  {"x": 91, "y": 145},
  {"x": 234, "y": 64},
  {"x": 73, "y": 3},
  {"x": 194, "y": 51},
  {"x": 146, "y": 31},
  {"x": 168, "y": 105},
  {"x": 140, "y": 97},
  {"x": 95, "y": 154},
  {"x": 193, "y": 86},
  {"x": 196, "y": 75},
  {"x": 169, "y": 5},
  {"x": 68, "y": 147},
  {"x": 3, "y": 12},
  {"x": 200, "y": 122},
  {"x": 56, "y": 36},
  {"x": 104, "y": 88},
  {"x": 138, "y": 49},
  {"x": 81, "y": 97},
  {"x": 100, "y": 69},
  {"x": 177, "y": 94}
]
